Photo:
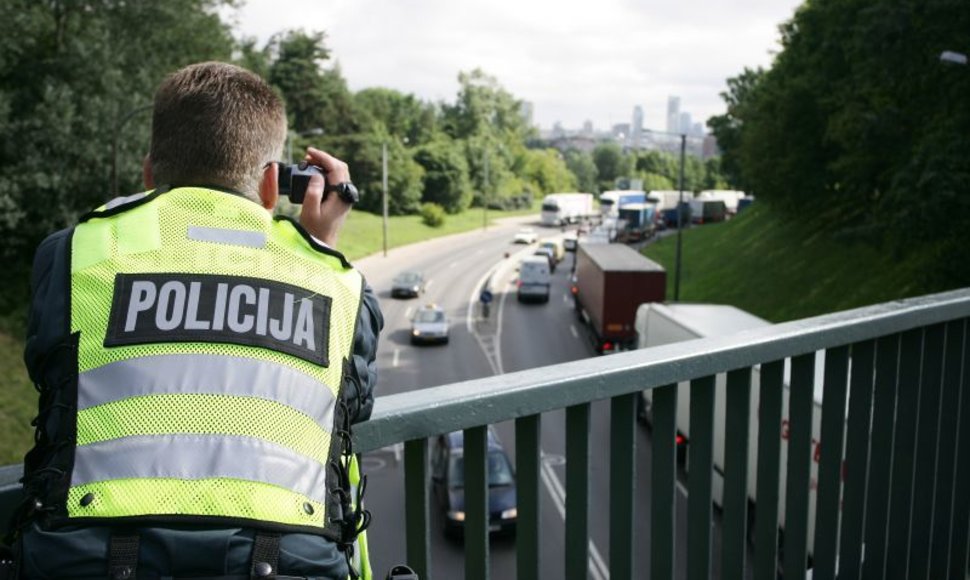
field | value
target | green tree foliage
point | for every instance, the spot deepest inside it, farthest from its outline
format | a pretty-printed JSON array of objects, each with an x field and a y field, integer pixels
[
  {"x": 611, "y": 164},
  {"x": 545, "y": 171},
  {"x": 582, "y": 166},
  {"x": 859, "y": 120},
  {"x": 445, "y": 181},
  {"x": 70, "y": 74},
  {"x": 317, "y": 98},
  {"x": 404, "y": 116}
]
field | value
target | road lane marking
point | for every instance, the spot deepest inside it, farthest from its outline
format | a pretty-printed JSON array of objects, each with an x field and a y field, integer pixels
[
  {"x": 407, "y": 313},
  {"x": 572, "y": 329},
  {"x": 428, "y": 285},
  {"x": 452, "y": 265},
  {"x": 397, "y": 357}
]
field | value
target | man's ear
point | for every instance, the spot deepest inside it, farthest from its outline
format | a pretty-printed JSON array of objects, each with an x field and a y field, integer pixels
[
  {"x": 269, "y": 187},
  {"x": 146, "y": 173}
]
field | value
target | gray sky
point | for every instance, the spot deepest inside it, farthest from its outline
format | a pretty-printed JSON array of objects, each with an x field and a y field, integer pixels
[{"x": 574, "y": 60}]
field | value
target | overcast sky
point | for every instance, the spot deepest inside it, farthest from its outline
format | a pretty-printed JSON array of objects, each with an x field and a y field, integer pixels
[{"x": 573, "y": 60}]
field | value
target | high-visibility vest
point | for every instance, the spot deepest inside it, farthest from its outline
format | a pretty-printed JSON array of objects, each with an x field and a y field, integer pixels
[{"x": 212, "y": 341}]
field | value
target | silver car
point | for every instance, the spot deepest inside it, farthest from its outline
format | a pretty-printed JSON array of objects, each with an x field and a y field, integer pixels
[
  {"x": 429, "y": 324},
  {"x": 407, "y": 284}
]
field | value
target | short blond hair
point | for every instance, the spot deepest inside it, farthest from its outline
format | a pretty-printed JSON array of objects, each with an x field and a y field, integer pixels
[{"x": 216, "y": 124}]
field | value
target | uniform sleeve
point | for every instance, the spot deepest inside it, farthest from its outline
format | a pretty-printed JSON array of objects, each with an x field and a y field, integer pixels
[
  {"x": 362, "y": 376},
  {"x": 48, "y": 323}
]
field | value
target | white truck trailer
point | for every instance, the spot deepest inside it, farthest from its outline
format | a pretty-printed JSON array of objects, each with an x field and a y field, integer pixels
[
  {"x": 658, "y": 324},
  {"x": 563, "y": 208},
  {"x": 730, "y": 198}
]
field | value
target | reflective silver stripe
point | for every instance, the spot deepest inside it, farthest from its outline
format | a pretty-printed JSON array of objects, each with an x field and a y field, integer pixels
[
  {"x": 246, "y": 238},
  {"x": 208, "y": 374},
  {"x": 123, "y": 200},
  {"x": 199, "y": 457}
]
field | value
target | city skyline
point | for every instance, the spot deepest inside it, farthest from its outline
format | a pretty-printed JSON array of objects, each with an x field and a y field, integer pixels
[{"x": 573, "y": 64}]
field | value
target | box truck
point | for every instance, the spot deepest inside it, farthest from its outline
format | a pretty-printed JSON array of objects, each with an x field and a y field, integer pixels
[
  {"x": 563, "y": 208},
  {"x": 707, "y": 211},
  {"x": 612, "y": 201},
  {"x": 658, "y": 324},
  {"x": 611, "y": 281},
  {"x": 637, "y": 221},
  {"x": 730, "y": 198}
]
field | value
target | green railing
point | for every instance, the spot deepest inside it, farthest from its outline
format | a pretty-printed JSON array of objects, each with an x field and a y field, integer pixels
[{"x": 895, "y": 419}]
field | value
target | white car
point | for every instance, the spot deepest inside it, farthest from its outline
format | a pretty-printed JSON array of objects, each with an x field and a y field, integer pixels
[
  {"x": 526, "y": 236},
  {"x": 429, "y": 324}
]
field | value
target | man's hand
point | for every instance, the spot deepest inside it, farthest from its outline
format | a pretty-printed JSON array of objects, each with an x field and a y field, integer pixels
[{"x": 324, "y": 218}]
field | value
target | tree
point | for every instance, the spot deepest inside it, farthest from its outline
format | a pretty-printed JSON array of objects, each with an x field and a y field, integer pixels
[
  {"x": 546, "y": 171},
  {"x": 611, "y": 164},
  {"x": 401, "y": 115},
  {"x": 582, "y": 166},
  {"x": 445, "y": 181}
]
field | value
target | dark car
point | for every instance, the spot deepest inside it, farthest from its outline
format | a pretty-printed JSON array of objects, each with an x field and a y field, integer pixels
[
  {"x": 408, "y": 284},
  {"x": 448, "y": 482}
]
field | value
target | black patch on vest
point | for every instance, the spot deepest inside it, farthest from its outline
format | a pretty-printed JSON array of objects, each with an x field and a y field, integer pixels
[{"x": 155, "y": 308}]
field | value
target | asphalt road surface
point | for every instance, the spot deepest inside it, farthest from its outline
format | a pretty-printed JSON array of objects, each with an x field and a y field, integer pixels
[{"x": 515, "y": 337}]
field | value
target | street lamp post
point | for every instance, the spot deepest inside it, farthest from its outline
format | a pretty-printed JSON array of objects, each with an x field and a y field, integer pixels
[
  {"x": 384, "y": 195},
  {"x": 680, "y": 208},
  {"x": 485, "y": 196},
  {"x": 114, "y": 144}
]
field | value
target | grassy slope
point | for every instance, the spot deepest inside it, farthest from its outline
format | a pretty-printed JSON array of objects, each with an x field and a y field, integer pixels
[{"x": 779, "y": 270}]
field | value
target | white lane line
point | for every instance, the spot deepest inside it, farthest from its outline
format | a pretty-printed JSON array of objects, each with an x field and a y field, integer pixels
[
  {"x": 452, "y": 265},
  {"x": 565, "y": 299},
  {"x": 407, "y": 313},
  {"x": 597, "y": 566},
  {"x": 397, "y": 357},
  {"x": 428, "y": 285},
  {"x": 681, "y": 488},
  {"x": 572, "y": 329}
]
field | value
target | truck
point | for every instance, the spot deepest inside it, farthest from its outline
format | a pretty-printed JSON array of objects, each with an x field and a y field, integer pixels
[
  {"x": 730, "y": 198},
  {"x": 658, "y": 324},
  {"x": 559, "y": 209},
  {"x": 637, "y": 222},
  {"x": 611, "y": 201},
  {"x": 611, "y": 281},
  {"x": 707, "y": 211}
]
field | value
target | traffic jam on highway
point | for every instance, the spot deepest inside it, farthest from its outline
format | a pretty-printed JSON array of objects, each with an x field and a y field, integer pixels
[{"x": 570, "y": 285}]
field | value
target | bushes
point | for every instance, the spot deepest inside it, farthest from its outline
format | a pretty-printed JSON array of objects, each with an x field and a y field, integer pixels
[{"x": 432, "y": 215}]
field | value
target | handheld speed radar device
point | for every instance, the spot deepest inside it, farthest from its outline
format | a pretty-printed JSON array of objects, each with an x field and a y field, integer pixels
[{"x": 294, "y": 179}]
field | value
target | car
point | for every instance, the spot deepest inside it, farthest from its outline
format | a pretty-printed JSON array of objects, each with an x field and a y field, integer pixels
[
  {"x": 534, "y": 279},
  {"x": 548, "y": 253},
  {"x": 429, "y": 324},
  {"x": 407, "y": 284},
  {"x": 448, "y": 484},
  {"x": 525, "y": 236},
  {"x": 557, "y": 246}
]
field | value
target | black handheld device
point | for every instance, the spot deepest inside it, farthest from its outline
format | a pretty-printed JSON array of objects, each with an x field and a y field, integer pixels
[{"x": 294, "y": 179}]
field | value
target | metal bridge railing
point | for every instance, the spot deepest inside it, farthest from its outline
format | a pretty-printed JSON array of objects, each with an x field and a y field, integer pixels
[{"x": 895, "y": 422}]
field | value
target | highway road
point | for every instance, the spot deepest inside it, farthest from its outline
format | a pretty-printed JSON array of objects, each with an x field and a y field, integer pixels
[{"x": 516, "y": 337}]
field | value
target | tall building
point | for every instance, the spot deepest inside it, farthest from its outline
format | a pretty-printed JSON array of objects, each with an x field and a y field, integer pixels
[
  {"x": 587, "y": 127},
  {"x": 636, "y": 134},
  {"x": 673, "y": 114}
]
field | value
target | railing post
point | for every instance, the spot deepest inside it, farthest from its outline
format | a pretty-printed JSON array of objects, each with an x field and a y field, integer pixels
[
  {"x": 800, "y": 405},
  {"x": 830, "y": 462},
  {"x": 416, "y": 487},
  {"x": 769, "y": 463},
  {"x": 663, "y": 481},
  {"x": 856, "y": 465},
  {"x": 476, "y": 503},
  {"x": 950, "y": 406},
  {"x": 700, "y": 464},
  {"x": 577, "y": 492},
  {"x": 527, "y": 466},
  {"x": 623, "y": 416},
  {"x": 883, "y": 415},
  {"x": 927, "y": 467},
  {"x": 736, "y": 428},
  {"x": 959, "y": 544}
]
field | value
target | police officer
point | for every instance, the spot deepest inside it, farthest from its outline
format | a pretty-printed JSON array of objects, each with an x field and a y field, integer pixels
[{"x": 200, "y": 362}]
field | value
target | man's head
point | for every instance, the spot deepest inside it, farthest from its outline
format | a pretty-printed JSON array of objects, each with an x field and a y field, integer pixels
[{"x": 215, "y": 124}]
